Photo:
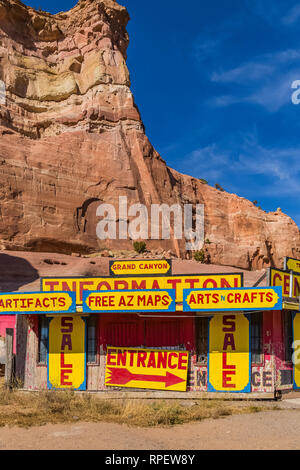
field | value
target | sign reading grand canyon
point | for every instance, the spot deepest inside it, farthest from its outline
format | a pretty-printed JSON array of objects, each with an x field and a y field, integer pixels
[
  {"x": 292, "y": 264},
  {"x": 199, "y": 281},
  {"x": 37, "y": 302},
  {"x": 253, "y": 298},
  {"x": 283, "y": 279},
  {"x": 229, "y": 354},
  {"x": 146, "y": 368},
  {"x": 66, "y": 355},
  {"x": 129, "y": 301},
  {"x": 140, "y": 267}
]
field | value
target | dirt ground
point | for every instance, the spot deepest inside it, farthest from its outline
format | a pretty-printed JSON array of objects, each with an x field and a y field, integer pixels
[{"x": 264, "y": 430}]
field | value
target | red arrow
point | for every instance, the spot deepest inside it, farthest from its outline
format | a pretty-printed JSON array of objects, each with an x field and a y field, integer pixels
[{"x": 123, "y": 376}]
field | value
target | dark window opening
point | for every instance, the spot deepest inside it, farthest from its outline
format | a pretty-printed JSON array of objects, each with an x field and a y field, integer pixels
[
  {"x": 287, "y": 335},
  {"x": 201, "y": 325},
  {"x": 43, "y": 339},
  {"x": 92, "y": 339},
  {"x": 256, "y": 338}
]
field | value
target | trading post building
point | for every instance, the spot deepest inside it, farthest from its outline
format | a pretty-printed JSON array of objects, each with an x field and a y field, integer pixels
[{"x": 146, "y": 331}]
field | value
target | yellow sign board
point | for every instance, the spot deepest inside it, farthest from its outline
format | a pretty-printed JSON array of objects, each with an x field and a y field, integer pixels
[
  {"x": 66, "y": 355},
  {"x": 146, "y": 368},
  {"x": 296, "y": 355},
  {"x": 129, "y": 301},
  {"x": 282, "y": 278},
  {"x": 252, "y": 298},
  {"x": 229, "y": 354},
  {"x": 37, "y": 302},
  {"x": 200, "y": 281},
  {"x": 292, "y": 264},
  {"x": 143, "y": 267}
]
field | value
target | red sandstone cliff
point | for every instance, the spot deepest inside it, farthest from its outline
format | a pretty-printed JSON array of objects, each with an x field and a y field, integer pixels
[{"x": 71, "y": 137}]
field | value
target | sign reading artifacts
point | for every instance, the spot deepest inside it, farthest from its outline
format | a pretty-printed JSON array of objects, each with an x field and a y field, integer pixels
[{"x": 37, "y": 302}]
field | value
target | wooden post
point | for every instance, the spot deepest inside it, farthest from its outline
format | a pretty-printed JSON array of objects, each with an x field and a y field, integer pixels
[{"x": 9, "y": 339}]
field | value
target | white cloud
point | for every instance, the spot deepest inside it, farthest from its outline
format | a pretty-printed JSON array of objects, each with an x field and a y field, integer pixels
[
  {"x": 265, "y": 81},
  {"x": 292, "y": 16}
]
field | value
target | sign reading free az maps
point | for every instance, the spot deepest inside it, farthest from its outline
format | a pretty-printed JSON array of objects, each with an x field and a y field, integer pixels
[
  {"x": 129, "y": 301},
  {"x": 252, "y": 298},
  {"x": 146, "y": 368},
  {"x": 37, "y": 302}
]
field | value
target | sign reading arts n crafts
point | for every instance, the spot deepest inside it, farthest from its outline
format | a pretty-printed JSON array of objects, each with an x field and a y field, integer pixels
[
  {"x": 200, "y": 281},
  {"x": 146, "y": 368},
  {"x": 37, "y": 302},
  {"x": 66, "y": 354},
  {"x": 129, "y": 301},
  {"x": 143, "y": 267},
  {"x": 229, "y": 357},
  {"x": 252, "y": 298},
  {"x": 292, "y": 264}
]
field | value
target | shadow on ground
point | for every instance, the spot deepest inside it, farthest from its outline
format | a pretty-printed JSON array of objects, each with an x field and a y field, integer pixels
[{"x": 15, "y": 272}]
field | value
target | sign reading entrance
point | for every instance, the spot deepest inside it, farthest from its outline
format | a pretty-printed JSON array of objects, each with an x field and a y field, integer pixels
[
  {"x": 210, "y": 300},
  {"x": 66, "y": 355},
  {"x": 80, "y": 284},
  {"x": 229, "y": 354},
  {"x": 37, "y": 302},
  {"x": 129, "y": 301},
  {"x": 140, "y": 267},
  {"x": 146, "y": 368}
]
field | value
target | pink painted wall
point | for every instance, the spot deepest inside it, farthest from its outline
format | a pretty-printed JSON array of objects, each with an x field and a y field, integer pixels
[{"x": 8, "y": 321}]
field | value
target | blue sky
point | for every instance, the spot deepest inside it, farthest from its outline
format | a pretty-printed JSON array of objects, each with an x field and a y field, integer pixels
[{"x": 213, "y": 84}]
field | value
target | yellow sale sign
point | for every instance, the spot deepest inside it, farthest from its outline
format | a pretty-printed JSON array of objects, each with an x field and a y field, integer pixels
[
  {"x": 146, "y": 368},
  {"x": 296, "y": 356},
  {"x": 66, "y": 356},
  {"x": 229, "y": 354},
  {"x": 80, "y": 284}
]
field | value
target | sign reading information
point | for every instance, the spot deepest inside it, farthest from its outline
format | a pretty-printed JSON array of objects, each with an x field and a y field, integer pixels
[
  {"x": 80, "y": 284},
  {"x": 292, "y": 264},
  {"x": 37, "y": 302},
  {"x": 211, "y": 300},
  {"x": 140, "y": 267},
  {"x": 66, "y": 356},
  {"x": 229, "y": 354},
  {"x": 146, "y": 368},
  {"x": 129, "y": 301}
]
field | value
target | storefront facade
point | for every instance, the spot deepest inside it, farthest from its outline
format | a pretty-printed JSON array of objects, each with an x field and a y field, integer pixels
[{"x": 232, "y": 353}]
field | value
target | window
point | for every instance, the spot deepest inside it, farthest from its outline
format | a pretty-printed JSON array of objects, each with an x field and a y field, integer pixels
[
  {"x": 287, "y": 335},
  {"x": 92, "y": 339},
  {"x": 256, "y": 338},
  {"x": 201, "y": 339},
  {"x": 43, "y": 339}
]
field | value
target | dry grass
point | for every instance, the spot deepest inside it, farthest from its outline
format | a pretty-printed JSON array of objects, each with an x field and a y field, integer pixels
[{"x": 39, "y": 408}]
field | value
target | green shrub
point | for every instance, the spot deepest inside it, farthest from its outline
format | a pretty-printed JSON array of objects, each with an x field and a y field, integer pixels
[
  {"x": 139, "y": 247},
  {"x": 199, "y": 256}
]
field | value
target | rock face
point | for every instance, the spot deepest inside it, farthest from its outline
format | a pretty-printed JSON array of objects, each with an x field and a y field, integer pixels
[{"x": 71, "y": 137}]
